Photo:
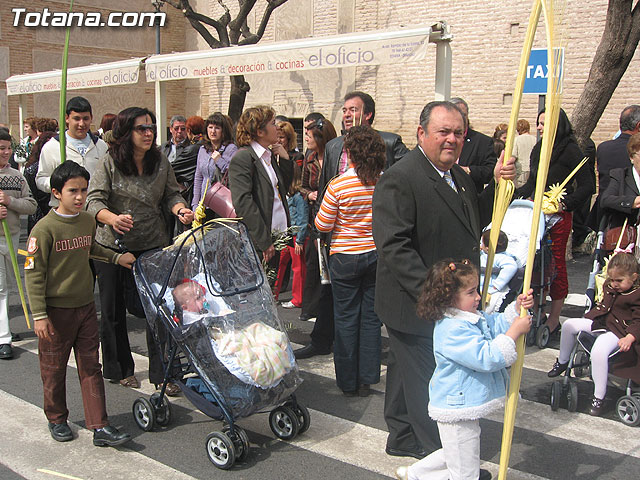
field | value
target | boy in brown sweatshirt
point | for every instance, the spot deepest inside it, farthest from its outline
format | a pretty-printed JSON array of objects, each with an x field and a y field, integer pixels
[{"x": 59, "y": 283}]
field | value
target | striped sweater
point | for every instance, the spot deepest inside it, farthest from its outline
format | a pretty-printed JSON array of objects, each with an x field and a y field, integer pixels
[{"x": 347, "y": 210}]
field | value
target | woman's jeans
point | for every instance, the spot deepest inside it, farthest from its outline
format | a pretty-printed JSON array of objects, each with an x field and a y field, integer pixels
[{"x": 357, "y": 344}]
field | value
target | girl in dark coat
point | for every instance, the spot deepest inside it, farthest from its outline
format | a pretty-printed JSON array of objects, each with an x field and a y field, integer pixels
[{"x": 619, "y": 315}]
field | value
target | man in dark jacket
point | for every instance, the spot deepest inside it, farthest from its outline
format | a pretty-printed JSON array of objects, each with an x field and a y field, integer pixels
[
  {"x": 182, "y": 155},
  {"x": 358, "y": 109},
  {"x": 425, "y": 209},
  {"x": 477, "y": 158},
  {"x": 613, "y": 154}
]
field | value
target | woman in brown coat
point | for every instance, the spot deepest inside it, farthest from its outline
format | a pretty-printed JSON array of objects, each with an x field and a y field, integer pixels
[{"x": 619, "y": 315}]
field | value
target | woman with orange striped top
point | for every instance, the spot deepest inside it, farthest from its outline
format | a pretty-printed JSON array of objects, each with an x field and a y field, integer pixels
[{"x": 346, "y": 212}]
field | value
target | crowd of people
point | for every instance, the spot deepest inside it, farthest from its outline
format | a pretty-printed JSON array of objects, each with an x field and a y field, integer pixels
[{"x": 376, "y": 234}]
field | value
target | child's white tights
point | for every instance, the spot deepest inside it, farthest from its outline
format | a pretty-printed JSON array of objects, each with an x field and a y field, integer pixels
[{"x": 602, "y": 348}]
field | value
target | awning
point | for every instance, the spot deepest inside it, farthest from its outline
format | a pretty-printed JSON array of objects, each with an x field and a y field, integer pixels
[
  {"x": 340, "y": 51},
  {"x": 92, "y": 76}
]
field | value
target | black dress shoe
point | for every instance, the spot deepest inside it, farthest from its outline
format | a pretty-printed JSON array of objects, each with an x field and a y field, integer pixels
[
  {"x": 350, "y": 393},
  {"x": 364, "y": 390},
  {"x": 110, "y": 436},
  {"x": 15, "y": 337},
  {"x": 396, "y": 452},
  {"x": 557, "y": 369},
  {"x": 309, "y": 351},
  {"x": 304, "y": 317},
  {"x": 60, "y": 432},
  {"x": 6, "y": 351},
  {"x": 484, "y": 474}
]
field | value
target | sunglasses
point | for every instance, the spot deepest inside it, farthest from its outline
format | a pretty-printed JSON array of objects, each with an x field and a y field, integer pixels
[
  {"x": 317, "y": 124},
  {"x": 144, "y": 128}
]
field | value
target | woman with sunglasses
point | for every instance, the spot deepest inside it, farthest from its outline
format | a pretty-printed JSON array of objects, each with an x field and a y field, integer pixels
[{"x": 127, "y": 193}]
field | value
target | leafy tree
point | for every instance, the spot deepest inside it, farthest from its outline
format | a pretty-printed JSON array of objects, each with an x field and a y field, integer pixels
[{"x": 226, "y": 32}]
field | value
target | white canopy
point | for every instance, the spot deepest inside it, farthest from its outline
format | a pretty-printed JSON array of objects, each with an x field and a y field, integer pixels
[
  {"x": 91, "y": 76},
  {"x": 339, "y": 51}
]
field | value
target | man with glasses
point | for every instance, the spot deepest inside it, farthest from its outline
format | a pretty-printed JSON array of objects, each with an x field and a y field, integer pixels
[
  {"x": 358, "y": 109},
  {"x": 174, "y": 147},
  {"x": 82, "y": 146}
]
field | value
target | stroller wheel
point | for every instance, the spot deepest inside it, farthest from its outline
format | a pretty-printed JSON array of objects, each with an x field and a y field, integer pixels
[
  {"x": 556, "y": 393},
  {"x": 284, "y": 423},
  {"x": 628, "y": 409},
  {"x": 162, "y": 409},
  {"x": 542, "y": 336},
  {"x": 531, "y": 337},
  {"x": 220, "y": 450},
  {"x": 304, "y": 419},
  {"x": 144, "y": 414},
  {"x": 572, "y": 397},
  {"x": 240, "y": 441},
  {"x": 581, "y": 364}
]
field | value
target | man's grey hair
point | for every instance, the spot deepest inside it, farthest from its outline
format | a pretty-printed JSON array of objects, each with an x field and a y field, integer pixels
[
  {"x": 425, "y": 115},
  {"x": 629, "y": 118},
  {"x": 459, "y": 101},
  {"x": 177, "y": 118}
]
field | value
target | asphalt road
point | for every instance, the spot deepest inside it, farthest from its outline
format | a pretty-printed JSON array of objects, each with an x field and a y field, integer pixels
[{"x": 346, "y": 438}]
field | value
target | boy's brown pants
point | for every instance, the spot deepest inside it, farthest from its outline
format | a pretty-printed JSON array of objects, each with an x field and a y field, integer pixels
[{"x": 75, "y": 328}]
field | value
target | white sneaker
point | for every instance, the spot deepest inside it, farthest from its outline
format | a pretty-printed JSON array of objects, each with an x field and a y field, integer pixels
[
  {"x": 402, "y": 473},
  {"x": 289, "y": 305}
]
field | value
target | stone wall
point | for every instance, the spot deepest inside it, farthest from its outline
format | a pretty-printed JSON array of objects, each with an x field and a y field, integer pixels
[{"x": 486, "y": 51}]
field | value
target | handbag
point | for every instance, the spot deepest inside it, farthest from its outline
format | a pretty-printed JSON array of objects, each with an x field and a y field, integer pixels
[
  {"x": 218, "y": 199},
  {"x": 626, "y": 234}
]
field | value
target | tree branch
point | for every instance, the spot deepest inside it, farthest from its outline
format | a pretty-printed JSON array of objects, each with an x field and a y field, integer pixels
[
  {"x": 614, "y": 53},
  {"x": 223, "y": 37},
  {"x": 238, "y": 25},
  {"x": 271, "y": 6}
]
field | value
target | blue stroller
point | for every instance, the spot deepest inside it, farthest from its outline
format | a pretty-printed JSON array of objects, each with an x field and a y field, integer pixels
[{"x": 231, "y": 357}]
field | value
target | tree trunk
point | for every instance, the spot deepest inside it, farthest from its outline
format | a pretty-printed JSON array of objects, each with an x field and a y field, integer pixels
[
  {"x": 239, "y": 89},
  {"x": 617, "y": 47}
]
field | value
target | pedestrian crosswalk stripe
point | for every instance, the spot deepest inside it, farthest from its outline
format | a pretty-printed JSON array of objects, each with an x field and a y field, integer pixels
[{"x": 25, "y": 422}]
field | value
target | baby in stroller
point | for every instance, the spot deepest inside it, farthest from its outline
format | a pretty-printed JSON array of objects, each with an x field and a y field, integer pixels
[
  {"x": 618, "y": 315},
  {"x": 504, "y": 269},
  {"x": 257, "y": 350}
]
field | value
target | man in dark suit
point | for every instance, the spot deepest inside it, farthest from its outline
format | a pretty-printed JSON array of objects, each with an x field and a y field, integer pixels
[
  {"x": 419, "y": 219},
  {"x": 612, "y": 154},
  {"x": 358, "y": 109},
  {"x": 478, "y": 157},
  {"x": 258, "y": 182}
]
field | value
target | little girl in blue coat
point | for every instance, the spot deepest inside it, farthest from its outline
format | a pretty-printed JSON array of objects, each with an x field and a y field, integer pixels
[{"x": 472, "y": 350}]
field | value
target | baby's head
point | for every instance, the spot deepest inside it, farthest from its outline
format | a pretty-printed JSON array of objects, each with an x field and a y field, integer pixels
[
  {"x": 449, "y": 284},
  {"x": 501, "y": 246},
  {"x": 190, "y": 296},
  {"x": 622, "y": 272}
]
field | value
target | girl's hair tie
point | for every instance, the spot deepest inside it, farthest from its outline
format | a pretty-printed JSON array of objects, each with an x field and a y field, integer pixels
[
  {"x": 466, "y": 261},
  {"x": 452, "y": 267}
]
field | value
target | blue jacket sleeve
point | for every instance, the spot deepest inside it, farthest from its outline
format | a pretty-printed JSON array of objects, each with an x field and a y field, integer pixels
[{"x": 465, "y": 345}]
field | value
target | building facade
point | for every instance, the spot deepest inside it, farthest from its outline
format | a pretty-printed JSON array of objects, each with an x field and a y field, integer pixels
[{"x": 486, "y": 48}]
